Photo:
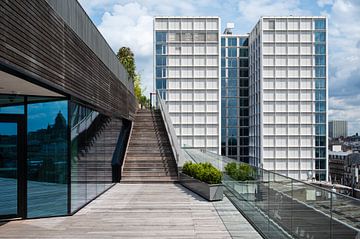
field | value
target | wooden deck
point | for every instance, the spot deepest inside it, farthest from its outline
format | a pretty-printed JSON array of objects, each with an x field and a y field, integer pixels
[{"x": 140, "y": 211}]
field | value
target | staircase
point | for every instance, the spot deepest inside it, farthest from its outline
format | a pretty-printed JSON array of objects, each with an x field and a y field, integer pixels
[{"x": 149, "y": 156}]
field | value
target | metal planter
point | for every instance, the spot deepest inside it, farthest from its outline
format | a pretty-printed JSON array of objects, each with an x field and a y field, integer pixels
[{"x": 211, "y": 192}]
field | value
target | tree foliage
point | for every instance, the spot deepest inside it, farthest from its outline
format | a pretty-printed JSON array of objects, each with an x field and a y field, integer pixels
[{"x": 127, "y": 59}]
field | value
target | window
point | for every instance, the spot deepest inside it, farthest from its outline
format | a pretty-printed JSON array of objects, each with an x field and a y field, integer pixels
[
  {"x": 232, "y": 102},
  {"x": 320, "y": 24},
  {"x": 320, "y": 95},
  {"x": 244, "y": 112},
  {"x": 243, "y": 41},
  {"x": 160, "y": 72},
  {"x": 232, "y": 82},
  {"x": 244, "y": 73},
  {"x": 223, "y": 41},
  {"x": 320, "y": 36},
  {"x": 320, "y": 106},
  {"x": 187, "y": 37},
  {"x": 244, "y": 122},
  {"x": 161, "y": 60},
  {"x": 320, "y": 49},
  {"x": 160, "y": 83},
  {"x": 232, "y": 132},
  {"x": 320, "y": 118},
  {"x": 243, "y": 52},
  {"x": 232, "y": 112},
  {"x": 212, "y": 37},
  {"x": 244, "y": 82},
  {"x": 243, "y": 92},
  {"x": 174, "y": 37},
  {"x": 244, "y": 62},
  {"x": 222, "y": 52},
  {"x": 199, "y": 37},
  {"x": 232, "y": 122},
  {"x": 223, "y": 72},
  {"x": 232, "y": 62},
  {"x": 160, "y": 49},
  {"x": 320, "y": 83},
  {"x": 232, "y": 92},
  {"x": 160, "y": 36},
  {"x": 232, "y": 72},
  {"x": 320, "y": 141},
  {"x": 232, "y": 52},
  {"x": 320, "y": 72},
  {"x": 320, "y": 153},
  {"x": 244, "y": 102},
  {"x": 320, "y": 60},
  {"x": 320, "y": 129},
  {"x": 271, "y": 25},
  {"x": 232, "y": 41},
  {"x": 223, "y": 64}
]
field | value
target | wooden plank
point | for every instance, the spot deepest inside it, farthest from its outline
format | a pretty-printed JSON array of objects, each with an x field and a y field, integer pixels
[{"x": 133, "y": 211}]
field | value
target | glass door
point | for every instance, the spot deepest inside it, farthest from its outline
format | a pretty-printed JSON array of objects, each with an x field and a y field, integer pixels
[{"x": 12, "y": 165}]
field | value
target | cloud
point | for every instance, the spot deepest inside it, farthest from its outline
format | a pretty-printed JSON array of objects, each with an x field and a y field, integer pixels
[
  {"x": 323, "y": 3},
  {"x": 251, "y": 11},
  {"x": 129, "y": 23},
  {"x": 344, "y": 62}
]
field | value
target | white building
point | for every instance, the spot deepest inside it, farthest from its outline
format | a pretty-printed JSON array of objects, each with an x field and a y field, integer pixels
[
  {"x": 287, "y": 109},
  {"x": 186, "y": 70},
  {"x": 338, "y": 128},
  {"x": 288, "y": 95}
]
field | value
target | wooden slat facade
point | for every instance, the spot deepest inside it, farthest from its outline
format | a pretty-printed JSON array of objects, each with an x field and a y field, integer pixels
[{"x": 37, "y": 41}]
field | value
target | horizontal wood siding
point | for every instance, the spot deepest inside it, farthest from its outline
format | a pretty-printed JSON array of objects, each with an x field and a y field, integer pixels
[{"x": 36, "y": 40}]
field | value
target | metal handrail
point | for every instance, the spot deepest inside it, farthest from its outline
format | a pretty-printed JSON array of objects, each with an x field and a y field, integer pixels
[{"x": 177, "y": 151}]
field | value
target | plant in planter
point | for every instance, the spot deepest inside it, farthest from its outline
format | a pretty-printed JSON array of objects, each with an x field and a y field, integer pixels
[
  {"x": 203, "y": 179},
  {"x": 243, "y": 173},
  {"x": 240, "y": 172}
]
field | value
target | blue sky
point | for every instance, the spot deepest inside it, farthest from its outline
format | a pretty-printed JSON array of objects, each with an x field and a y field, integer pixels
[{"x": 129, "y": 23}]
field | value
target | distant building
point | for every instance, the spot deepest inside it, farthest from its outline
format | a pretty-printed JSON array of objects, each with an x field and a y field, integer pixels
[
  {"x": 344, "y": 168},
  {"x": 338, "y": 128}
]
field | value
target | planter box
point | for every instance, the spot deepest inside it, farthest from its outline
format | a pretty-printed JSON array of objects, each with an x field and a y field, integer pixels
[{"x": 211, "y": 192}]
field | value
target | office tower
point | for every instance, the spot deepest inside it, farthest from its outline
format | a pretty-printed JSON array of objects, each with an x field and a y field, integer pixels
[
  {"x": 234, "y": 96},
  {"x": 186, "y": 72},
  {"x": 288, "y": 96},
  {"x": 273, "y": 89},
  {"x": 338, "y": 128}
]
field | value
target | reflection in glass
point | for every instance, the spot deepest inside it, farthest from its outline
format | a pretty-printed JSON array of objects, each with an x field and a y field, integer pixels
[
  {"x": 8, "y": 169},
  {"x": 47, "y": 158},
  {"x": 10, "y": 104},
  {"x": 94, "y": 138}
]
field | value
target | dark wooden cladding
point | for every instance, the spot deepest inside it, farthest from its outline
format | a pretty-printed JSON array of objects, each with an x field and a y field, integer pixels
[{"x": 37, "y": 41}]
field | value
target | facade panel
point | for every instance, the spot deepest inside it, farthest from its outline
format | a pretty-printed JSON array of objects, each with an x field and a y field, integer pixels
[{"x": 191, "y": 73}]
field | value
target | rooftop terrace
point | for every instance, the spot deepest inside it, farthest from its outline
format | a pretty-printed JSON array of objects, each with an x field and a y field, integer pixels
[{"x": 141, "y": 210}]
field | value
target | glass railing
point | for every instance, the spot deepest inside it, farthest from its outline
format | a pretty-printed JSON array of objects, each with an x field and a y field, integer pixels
[{"x": 282, "y": 207}]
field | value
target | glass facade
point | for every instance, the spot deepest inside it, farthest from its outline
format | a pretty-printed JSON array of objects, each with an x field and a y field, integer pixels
[
  {"x": 234, "y": 97},
  {"x": 71, "y": 154},
  {"x": 320, "y": 99},
  {"x": 47, "y": 157}
]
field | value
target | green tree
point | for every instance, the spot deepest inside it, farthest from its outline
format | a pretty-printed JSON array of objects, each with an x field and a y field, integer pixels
[{"x": 127, "y": 59}]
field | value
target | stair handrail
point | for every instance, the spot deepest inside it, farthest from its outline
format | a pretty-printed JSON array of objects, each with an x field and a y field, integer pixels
[{"x": 175, "y": 146}]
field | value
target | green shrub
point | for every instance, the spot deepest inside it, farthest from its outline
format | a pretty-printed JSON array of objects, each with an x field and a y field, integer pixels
[
  {"x": 240, "y": 172},
  {"x": 204, "y": 172}
]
